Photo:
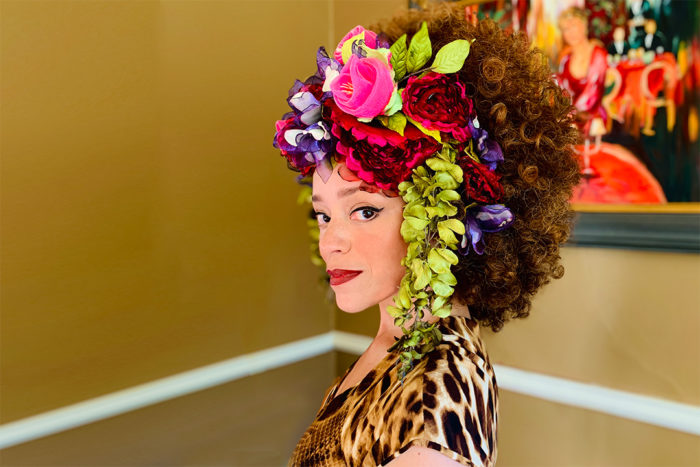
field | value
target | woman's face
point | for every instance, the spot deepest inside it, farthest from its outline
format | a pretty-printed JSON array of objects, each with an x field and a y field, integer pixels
[
  {"x": 360, "y": 241},
  {"x": 574, "y": 30}
]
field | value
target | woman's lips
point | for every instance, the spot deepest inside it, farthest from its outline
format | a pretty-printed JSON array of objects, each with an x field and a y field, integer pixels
[{"x": 340, "y": 276}]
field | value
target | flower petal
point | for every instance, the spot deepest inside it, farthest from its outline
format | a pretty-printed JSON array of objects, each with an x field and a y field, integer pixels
[{"x": 494, "y": 217}]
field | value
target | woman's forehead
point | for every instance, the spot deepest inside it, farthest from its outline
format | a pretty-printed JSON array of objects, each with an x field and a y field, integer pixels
[{"x": 341, "y": 188}]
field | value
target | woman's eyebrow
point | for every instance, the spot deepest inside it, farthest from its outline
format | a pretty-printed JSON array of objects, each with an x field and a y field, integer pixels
[{"x": 345, "y": 192}]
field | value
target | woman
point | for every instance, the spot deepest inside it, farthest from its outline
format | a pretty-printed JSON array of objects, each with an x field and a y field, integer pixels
[
  {"x": 439, "y": 155},
  {"x": 582, "y": 72}
]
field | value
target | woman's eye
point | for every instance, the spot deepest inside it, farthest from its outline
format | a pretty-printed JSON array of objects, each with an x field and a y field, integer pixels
[
  {"x": 366, "y": 213},
  {"x": 322, "y": 218}
]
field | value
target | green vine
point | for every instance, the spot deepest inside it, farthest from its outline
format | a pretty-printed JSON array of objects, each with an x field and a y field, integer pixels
[
  {"x": 429, "y": 228},
  {"x": 430, "y": 231}
]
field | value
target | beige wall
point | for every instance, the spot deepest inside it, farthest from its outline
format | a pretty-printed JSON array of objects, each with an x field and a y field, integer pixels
[
  {"x": 148, "y": 225},
  {"x": 140, "y": 238},
  {"x": 621, "y": 319}
]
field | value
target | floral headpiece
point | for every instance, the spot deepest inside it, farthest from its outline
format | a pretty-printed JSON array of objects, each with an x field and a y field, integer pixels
[{"x": 405, "y": 127}]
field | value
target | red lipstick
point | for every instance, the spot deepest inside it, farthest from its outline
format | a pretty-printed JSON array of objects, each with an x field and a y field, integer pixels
[{"x": 341, "y": 276}]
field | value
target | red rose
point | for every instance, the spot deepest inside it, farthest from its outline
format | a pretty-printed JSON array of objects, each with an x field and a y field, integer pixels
[
  {"x": 439, "y": 102},
  {"x": 481, "y": 184},
  {"x": 378, "y": 155}
]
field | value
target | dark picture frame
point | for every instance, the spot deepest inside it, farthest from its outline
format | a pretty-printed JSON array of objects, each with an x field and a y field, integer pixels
[{"x": 674, "y": 227}]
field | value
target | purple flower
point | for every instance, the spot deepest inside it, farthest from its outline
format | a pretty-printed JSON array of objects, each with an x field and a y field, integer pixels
[
  {"x": 328, "y": 70},
  {"x": 472, "y": 236},
  {"x": 302, "y": 136},
  {"x": 304, "y": 104},
  {"x": 487, "y": 149},
  {"x": 304, "y": 146},
  {"x": 480, "y": 219}
]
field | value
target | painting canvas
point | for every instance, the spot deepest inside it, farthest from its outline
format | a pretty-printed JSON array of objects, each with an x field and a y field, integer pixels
[{"x": 632, "y": 69}]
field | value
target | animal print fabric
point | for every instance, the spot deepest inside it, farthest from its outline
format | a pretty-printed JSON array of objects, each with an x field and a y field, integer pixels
[{"x": 448, "y": 402}]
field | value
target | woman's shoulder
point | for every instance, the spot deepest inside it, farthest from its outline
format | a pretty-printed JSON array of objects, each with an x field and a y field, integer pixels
[
  {"x": 458, "y": 382},
  {"x": 461, "y": 344},
  {"x": 448, "y": 402}
]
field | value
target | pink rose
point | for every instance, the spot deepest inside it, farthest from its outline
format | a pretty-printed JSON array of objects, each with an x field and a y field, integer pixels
[
  {"x": 364, "y": 87},
  {"x": 370, "y": 41}
]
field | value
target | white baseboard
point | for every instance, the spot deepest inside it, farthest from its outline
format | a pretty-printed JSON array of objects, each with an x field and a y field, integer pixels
[{"x": 659, "y": 412}]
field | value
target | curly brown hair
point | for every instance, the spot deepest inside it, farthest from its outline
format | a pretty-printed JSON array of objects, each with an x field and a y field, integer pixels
[{"x": 519, "y": 103}]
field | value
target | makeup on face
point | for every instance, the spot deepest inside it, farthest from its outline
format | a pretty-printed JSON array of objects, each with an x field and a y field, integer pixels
[
  {"x": 359, "y": 240},
  {"x": 341, "y": 276}
]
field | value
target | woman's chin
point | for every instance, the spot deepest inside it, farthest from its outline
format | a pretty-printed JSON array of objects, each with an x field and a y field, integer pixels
[{"x": 349, "y": 305}]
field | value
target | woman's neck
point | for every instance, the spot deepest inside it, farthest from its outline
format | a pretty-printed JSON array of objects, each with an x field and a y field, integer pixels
[
  {"x": 388, "y": 330},
  {"x": 582, "y": 48}
]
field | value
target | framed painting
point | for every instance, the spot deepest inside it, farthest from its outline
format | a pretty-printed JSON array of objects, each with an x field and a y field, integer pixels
[{"x": 632, "y": 68}]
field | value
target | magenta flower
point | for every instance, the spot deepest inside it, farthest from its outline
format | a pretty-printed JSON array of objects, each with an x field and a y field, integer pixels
[
  {"x": 439, "y": 102},
  {"x": 370, "y": 41},
  {"x": 379, "y": 156},
  {"x": 364, "y": 87}
]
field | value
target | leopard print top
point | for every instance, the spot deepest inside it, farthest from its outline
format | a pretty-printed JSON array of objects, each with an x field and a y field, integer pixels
[{"x": 448, "y": 402}]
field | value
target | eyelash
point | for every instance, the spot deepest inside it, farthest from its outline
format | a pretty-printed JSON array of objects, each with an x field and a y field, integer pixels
[{"x": 375, "y": 211}]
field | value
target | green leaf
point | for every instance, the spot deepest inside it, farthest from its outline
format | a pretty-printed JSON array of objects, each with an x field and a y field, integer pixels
[
  {"x": 447, "y": 154},
  {"x": 404, "y": 186},
  {"x": 437, "y": 262},
  {"x": 448, "y": 278},
  {"x": 441, "y": 289},
  {"x": 395, "y": 104},
  {"x": 453, "y": 224},
  {"x": 413, "y": 250},
  {"x": 420, "y": 50},
  {"x": 457, "y": 173},
  {"x": 449, "y": 256},
  {"x": 421, "y": 171},
  {"x": 439, "y": 302},
  {"x": 422, "y": 274},
  {"x": 443, "y": 312},
  {"x": 404, "y": 297},
  {"x": 417, "y": 224},
  {"x": 398, "y": 57},
  {"x": 435, "y": 212},
  {"x": 469, "y": 151},
  {"x": 435, "y": 134},
  {"x": 414, "y": 210},
  {"x": 414, "y": 339},
  {"x": 394, "y": 311},
  {"x": 408, "y": 233},
  {"x": 397, "y": 123},
  {"x": 450, "y": 58},
  {"x": 438, "y": 164},
  {"x": 447, "y": 195},
  {"x": 447, "y": 208},
  {"x": 446, "y": 234},
  {"x": 445, "y": 181},
  {"x": 411, "y": 195}
]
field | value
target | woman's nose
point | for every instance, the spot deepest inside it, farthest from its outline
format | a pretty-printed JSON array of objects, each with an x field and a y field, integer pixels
[{"x": 334, "y": 238}]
